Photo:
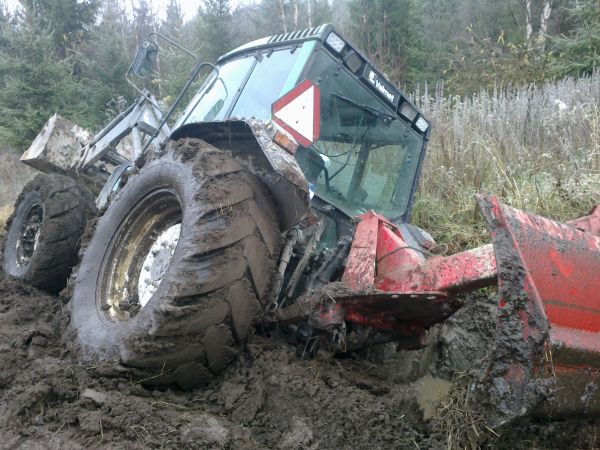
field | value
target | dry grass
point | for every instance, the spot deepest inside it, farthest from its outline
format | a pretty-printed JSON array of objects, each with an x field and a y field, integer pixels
[
  {"x": 13, "y": 176},
  {"x": 537, "y": 147},
  {"x": 459, "y": 419},
  {"x": 5, "y": 212}
]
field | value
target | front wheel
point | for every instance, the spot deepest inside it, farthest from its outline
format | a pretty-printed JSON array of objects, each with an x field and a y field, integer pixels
[
  {"x": 44, "y": 231},
  {"x": 177, "y": 268}
]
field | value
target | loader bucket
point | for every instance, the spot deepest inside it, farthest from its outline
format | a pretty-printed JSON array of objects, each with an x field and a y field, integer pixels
[{"x": 547, "y": 351}]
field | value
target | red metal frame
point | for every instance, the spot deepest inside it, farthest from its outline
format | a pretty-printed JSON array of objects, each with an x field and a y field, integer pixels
[
  {"x": 589, "y": 223},
  {"x": 398, "y": 287},
  {"x": 548, "y": 273},
  {"x": 547, "y": 337}
]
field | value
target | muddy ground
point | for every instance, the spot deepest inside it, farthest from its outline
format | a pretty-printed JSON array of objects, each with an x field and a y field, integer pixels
[{"x": 269, "y": 399}]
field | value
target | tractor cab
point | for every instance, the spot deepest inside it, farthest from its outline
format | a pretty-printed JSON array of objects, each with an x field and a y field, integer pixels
[{"x": 371, "y": 139}]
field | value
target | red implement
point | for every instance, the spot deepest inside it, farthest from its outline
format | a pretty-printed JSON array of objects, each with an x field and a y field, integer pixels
[
  {"x": 547, "y": 341},
  {"x": 396, "y": 287},
  {"x": 547, "y": 356}
]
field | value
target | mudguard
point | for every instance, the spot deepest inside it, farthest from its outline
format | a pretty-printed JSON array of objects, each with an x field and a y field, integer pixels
[{"x": 251, "y": 143}]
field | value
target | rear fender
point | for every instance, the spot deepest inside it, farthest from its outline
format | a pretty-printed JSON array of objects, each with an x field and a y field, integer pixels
[{"x": 251, "y": 144}]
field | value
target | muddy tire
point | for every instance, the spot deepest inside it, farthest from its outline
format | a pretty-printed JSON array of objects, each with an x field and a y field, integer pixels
[
  {"x": 175, "y": 273},
  {"x": 44, "y": 231}
]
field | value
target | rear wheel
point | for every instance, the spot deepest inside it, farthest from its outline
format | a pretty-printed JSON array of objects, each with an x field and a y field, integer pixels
[
  {"x": 177, "y": 268},
  {"x": 44, "y": 231}
]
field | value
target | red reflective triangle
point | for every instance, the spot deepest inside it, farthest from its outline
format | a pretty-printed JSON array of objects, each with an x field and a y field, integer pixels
[{"x": 299, "y": 112}]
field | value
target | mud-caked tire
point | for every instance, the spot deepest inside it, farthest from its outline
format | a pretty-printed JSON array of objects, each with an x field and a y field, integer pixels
[
  {"x": 177, "y": 311},
  {"x": 44, "y": 231}
]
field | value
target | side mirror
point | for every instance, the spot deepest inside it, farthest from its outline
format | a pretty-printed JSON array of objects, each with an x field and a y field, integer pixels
[{"x": 145, "y": 59}]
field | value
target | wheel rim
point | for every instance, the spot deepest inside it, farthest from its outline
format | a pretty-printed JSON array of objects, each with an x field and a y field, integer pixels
[
  {"x": 29, "y": 234},
  {"x": 139, "y": 254}
]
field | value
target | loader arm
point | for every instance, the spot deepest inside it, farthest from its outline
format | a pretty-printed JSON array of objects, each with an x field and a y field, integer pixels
[
  {"x": 142, "y": 117},
  {"x": 63, "y": 147}
]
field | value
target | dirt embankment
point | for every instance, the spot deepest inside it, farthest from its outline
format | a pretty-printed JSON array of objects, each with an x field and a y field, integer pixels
[{"x": 268, "y": 399}]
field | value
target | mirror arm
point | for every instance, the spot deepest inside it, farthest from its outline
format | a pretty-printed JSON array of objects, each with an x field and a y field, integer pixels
[
  {"x": 144, "y": 93},
  {"x": 173, "y": 43}
]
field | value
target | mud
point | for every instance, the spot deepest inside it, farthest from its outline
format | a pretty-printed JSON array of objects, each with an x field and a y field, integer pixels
[{"x": 268, "y": 399}]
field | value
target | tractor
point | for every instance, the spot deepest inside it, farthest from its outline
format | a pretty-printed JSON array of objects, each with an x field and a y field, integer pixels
[{"x": 281, "y": 196}]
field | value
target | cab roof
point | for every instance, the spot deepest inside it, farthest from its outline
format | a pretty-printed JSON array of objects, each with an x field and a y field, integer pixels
[{"x": 320, "y": 33}]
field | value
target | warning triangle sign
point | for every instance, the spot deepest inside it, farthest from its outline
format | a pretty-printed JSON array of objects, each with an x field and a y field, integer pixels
[{"x": 298, "y": 112}]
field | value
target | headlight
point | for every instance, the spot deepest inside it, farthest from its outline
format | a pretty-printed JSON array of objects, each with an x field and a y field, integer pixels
[
  {"x": 336, "y": 43},
  {"x": 421, "y": 124}
]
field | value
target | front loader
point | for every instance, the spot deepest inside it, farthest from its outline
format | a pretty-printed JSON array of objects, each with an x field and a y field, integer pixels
[{"x": 281, "y": 195}]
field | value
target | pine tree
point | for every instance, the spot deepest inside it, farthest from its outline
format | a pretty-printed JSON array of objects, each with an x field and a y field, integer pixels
[
  {"x": 3, "y": 16},
  {"x": 579, "y": 52},
  {"x": 68, "y": 21},
  {"x": 320, "y": 11},
  {"x": 173, "y": 23},
  {"x": 104, "y": 66},
  {"x": 175, "y": 65},
  {"x": 389, "y": 32},
  {"x": 34, "y": 83},
  {"x": 213, "y": 28},
  {"x": 144, "y": 21}
]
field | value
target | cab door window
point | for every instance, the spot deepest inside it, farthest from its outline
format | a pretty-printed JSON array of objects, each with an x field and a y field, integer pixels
[{"x": 213, "y": 104}]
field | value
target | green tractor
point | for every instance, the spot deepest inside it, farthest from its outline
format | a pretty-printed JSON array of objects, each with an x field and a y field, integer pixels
[{"x": 245, "y": 205}]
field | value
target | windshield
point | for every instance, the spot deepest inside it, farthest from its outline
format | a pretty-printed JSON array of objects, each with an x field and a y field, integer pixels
[{"x": 366, "y": 157}]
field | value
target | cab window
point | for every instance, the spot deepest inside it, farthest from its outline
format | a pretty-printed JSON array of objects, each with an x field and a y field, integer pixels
[
  {"x": 213, "y": 101},
  {"x": 265, "y": 84}
]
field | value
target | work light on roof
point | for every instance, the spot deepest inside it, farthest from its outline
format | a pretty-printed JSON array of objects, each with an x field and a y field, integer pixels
[
  {"x": 335, "y": 42},
  {"x": 421, "y": 124}
]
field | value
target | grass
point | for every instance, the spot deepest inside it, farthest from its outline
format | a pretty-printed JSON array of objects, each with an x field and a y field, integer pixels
[
  {"x": 13, "y": 176},
  {"x": 536, "y": 147},
  {"x": 463, "y": 424}
]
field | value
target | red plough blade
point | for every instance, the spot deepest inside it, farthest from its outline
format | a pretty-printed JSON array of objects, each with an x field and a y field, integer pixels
[{"x": 547, "y": 355}]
